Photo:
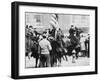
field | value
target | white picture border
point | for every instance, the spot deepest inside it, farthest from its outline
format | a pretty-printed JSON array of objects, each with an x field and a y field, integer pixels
[{"x": 55, "y": 70}]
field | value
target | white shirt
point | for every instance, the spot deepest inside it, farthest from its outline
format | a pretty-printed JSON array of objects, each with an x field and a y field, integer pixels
[
  {"x": 45, "y": 46},
  {"x": 82, "y": 41}
]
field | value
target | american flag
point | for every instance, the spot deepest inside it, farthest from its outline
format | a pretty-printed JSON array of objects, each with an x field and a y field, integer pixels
[{"x": 54, "y": 22}]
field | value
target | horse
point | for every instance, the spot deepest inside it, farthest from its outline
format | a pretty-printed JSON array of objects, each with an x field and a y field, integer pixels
[
  {"x": 53, "y": 52},
  {"x": 56, "y": 53},
  {"x": 31, "y": 45},
  {"x": 69, "y": 47},
  {"x": 57, "y": 48},
  {"x": 71, "y": 44},
  {"x": 63, "y": 47},
  {"x": 35, "y": 49}
]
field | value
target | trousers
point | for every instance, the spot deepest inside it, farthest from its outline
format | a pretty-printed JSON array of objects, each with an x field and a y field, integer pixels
[{"x": 45, "y": 60}]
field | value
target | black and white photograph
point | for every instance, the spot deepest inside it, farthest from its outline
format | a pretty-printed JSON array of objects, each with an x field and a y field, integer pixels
[
  {"x": 51, "y": 40},
  {"x": 56, "y": 40}
]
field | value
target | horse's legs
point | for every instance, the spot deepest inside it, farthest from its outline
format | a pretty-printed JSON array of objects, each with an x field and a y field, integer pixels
[
  {"x": 66, "y": 58},
  {"x": 55, "y": 59},
  {"x": 76, "y": 55},
  {"x": 51, "y": 61},
  {"x": 36, "y": 62},
  {"x": 63, "y": 56},
  {"x": 73, "y": 58},
  {"x": 72, "y": 52},
  {"x": 54, "y": 62},
  {"x": 59, "y": 61},
  {"x": 59, "y": 58},
  {"x": 77, "y": 52}
]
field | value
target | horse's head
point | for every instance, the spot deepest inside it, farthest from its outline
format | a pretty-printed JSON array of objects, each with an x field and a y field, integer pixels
[{"x": 66, "y": 42}]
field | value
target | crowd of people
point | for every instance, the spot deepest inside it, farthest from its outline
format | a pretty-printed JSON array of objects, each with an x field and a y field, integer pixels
[{"x": 50, "y": 46}]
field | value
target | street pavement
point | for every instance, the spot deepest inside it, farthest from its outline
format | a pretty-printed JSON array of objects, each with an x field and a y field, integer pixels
[{"x": 81, "y": 61}]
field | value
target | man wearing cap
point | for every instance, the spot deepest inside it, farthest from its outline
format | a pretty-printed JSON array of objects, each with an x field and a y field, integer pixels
[
  {"x": 72, "y": 30},
  {"x": 45, "y": 52}
]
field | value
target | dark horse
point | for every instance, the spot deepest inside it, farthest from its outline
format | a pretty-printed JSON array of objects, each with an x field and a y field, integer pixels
[
  {"x": 56, "y": 52},
  {"x": 72, "y": 45},
  {"x": 32, "y": 48},
  {"x": 35, "y": 50},
  {"x": 57, "y": 48}
]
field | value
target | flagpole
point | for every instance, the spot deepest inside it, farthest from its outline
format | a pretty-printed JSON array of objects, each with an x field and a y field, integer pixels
[{"x": 54, "y": 22}]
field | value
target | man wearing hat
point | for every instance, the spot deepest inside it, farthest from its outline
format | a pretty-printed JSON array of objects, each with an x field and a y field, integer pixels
[{"x": 45, "y": 52}]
